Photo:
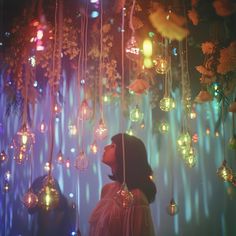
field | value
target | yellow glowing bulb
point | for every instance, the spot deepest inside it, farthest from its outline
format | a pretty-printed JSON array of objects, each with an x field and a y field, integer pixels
[
  {"x": 24, "y": 139},
  {"x": 147, "y": 48},
  {"x": 147, "y": 63}
]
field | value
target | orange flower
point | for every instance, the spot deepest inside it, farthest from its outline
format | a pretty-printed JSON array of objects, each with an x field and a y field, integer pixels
[
  {"x": 139, "y": 86},
  {"x": 193, "y": 16},
  {"x": 208, "y": 48},
  {"x": 227, "y": 60},
  {"x": 208, "y": 73}
]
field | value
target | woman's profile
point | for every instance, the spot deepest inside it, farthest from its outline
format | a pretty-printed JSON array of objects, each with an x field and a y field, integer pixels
[{"x": 134, "y": 218}]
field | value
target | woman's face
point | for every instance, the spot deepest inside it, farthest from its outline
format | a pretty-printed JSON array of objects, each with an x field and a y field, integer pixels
[{"x": 109, "y": 157}]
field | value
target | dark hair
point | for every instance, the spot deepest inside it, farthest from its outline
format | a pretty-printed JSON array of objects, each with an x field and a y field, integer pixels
[{"x": 137, "y": 169}]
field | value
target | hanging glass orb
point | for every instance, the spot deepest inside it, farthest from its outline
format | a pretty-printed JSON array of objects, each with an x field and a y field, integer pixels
[
  {"x": 184, "y": 140},
  {"x": 7, "y": 175},
  {"x": 85, "y": 111},
  {"x": 57, "y": 108},
  {"x": 190, "y": 158},
  {"x": 48, "y": 196},
  {"x": 136, "y": 115},
  {"x": 30, "y": 200},
  {"x": 81, "y": 162},
  {"x": 142, "y": 125},
  {"x": 167, "y": 104},
  {"x": 232, "y": 142},
  {"x": 47, "y": 167},
  {"x": 6, "y": 187},
  {"x": 60, "y": 158},
  {"x": 161, "y": 65},
  {"x": 20, "y": 156},
  {"x": 94, "y": 147},
  {"x": 67, "y": 163},
  {"x": 132, "y": 50},
  {"x": 3, "y": 157},
  {"x": 192, "y": 115},
  {"x": 42, "y": 126},
  {"x": 172, "y": 208},
  {"x": 72, "y": 130},
  {"x": 124, "y": 197},
  {"x": 101, "y": 131},
  {"x": 130, "y": 131},
  {"x": 23, "y": 143},
  {"x": 164, "y": 127},
  {"x": 225, "y": 172}
]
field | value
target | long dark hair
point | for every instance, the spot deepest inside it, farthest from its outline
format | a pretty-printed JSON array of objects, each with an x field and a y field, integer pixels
[{"x": 138, "y": 171}]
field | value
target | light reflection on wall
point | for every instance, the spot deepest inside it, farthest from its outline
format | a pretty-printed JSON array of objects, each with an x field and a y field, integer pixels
[{"x": 202, "y": 197}]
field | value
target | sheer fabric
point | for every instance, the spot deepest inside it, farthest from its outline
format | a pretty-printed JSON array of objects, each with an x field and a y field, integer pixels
[{"x": 110, "y": 219}]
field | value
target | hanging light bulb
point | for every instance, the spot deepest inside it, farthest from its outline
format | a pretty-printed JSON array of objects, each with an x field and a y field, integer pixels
[
  {"x": 94, "y": 147},
  {"x": 164, "y": 127},
  {"x": 130, "y": 131},
  {"x": 142, "y": 125},
  {"x": 23, "y": 143},
  {"x": 57, "y": 108},
  {"x": 6, "y": 186},
  {"x": 60, "y": 158},
  {"x": 48, "y": 196},
  {"x": 42, "y": 126},
  {"x": 136, "y": 115},
  {"x": 3, "y": 157},
  {"x": 30, "y": 200},
  {"x": 101, "y": 130},
  {"x": 225, "y": 172},
  {"x": 85, "y": 111},
  {"x": 190, "y": 158},
  {"x": 67, "y": 163},
  {"x": 184, "y": 140},
  {"x": 167, "y": 103},
  {"x": 72, "y": 130},
  {"x": 161, "y": 65},
  {"x": 7, "y": 175},
  {"x": 172, "y": 208},
  {"x": 232, "y": 142},
  {"x": 124, "y": 197},
  {"x": 132, "y": 50},
  {"x": 81, "y": 162},
  {"x": 147, "y": 48},
  {"x": 192, "y": 115}
]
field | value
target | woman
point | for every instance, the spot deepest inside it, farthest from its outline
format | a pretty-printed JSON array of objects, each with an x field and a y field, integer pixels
[{"x": 134, "y": 219}]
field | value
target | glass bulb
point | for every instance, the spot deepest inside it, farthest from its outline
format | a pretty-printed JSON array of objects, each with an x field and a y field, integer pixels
[
  {"x": 167, "y": 104},
  {"x": 30, "y": 200},
  {"x": 132, "y": 50},
  {"x": 161, "y": 65},
  {"x": 136, "y": 115},
  {"x": 85, "y": 111},
  {"x": 3, "y": 157},
  {"x": 101, "y": 130},
  {"x": 172, "y": 208},
  {"x": 81, "y": 162},
  {"x": 164, "y": 127}
]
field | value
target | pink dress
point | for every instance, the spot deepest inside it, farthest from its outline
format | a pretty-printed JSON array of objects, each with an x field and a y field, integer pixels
[{"x": 110, "y": 219}]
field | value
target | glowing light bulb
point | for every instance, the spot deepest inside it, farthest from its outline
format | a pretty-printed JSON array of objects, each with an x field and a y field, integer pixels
[
  {"x": 167, "y": 104},
  {"x": 94, "y": 147},
  {"x": 60, "y": 158},
  {"x": 164, "y": 127},
  {"x": 136, "y": 115},
  {"x": 132, "y": 50},
  {"x": 147, "y": 48},
  {"x": 3, "y": 157},
  {"x": 81, "y": 162},
  {"x": 85, "y": 110},
  {"x": 161, "y": 65},
  {"x": 101, "y": 130},
  {"x": 172, "y": 208},
  {"x": 42, "y": 127},
  {"x": 30, "y": 200}
]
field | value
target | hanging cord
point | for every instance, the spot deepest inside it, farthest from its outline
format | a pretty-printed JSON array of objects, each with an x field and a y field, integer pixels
[
  {"x": 52, "y": 128},
  {"x": 131, "y": 18},
  {"x": 223, "y": 127},
  {"x": 123, "y": 93},
  {"x": 101, "y": 62}
]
